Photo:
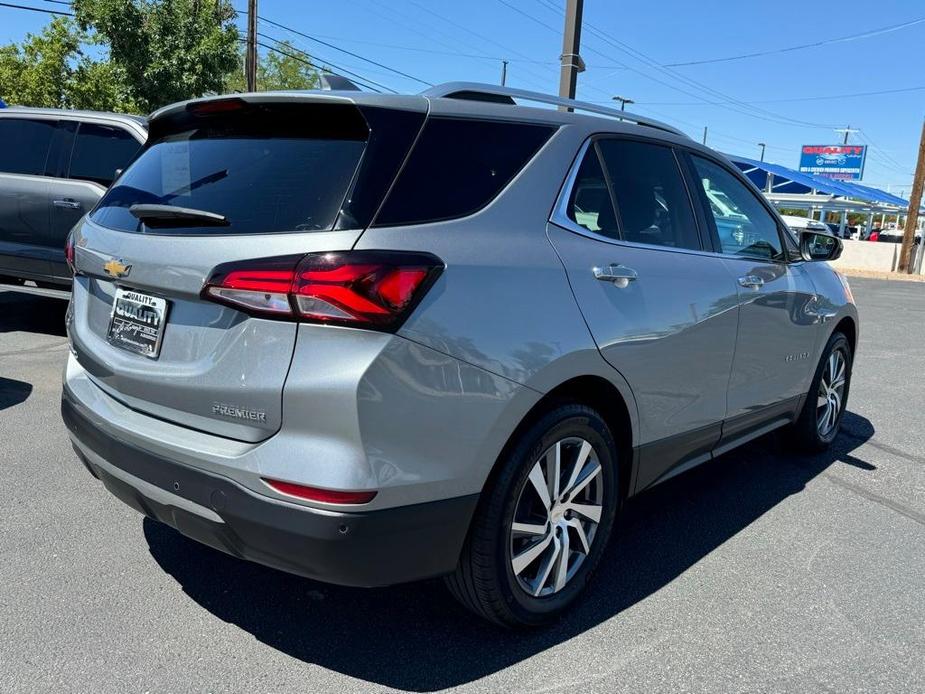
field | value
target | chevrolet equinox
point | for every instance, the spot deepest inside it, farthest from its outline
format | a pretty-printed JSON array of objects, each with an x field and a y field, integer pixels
[{"x": 372, "y": 339}]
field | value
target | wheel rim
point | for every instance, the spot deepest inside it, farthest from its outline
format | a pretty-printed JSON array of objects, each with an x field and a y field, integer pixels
[
  {"x": 556, "y": 517},
  {"x": 830, "y": 398}
]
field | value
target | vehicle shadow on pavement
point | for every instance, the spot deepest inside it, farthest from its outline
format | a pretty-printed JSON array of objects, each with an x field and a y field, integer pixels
[
  {"x": 415, "y": 637},
  {"x": 21, "y": 312},
  {"x": 13, "y": 392}
]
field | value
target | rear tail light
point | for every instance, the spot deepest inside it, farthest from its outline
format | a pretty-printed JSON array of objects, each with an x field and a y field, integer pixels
[
  {"x": 372, "y": 289},
  {"x": 327, "y": 496},
  {"x": 69, "y": 252}
]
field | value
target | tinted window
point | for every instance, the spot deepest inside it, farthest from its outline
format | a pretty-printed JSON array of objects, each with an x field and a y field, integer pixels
[
  {"x": 260, "y": 183},
  {"x": 457, "y": 167},
  {"x": 590, "y": 204},
  {"x": 62, "y": 144},
  {"x": 24, "y": 145},
  {"x": 743, "y": 224},
  {"x": 652, "y": 202},
  {"x": 99, "y": 150}
]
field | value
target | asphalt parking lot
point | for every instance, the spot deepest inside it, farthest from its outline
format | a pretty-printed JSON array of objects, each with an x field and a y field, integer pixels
[{"x": 761, "y": 571}]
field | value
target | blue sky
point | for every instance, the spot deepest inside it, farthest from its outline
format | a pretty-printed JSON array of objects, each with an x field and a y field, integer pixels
[{"x": 626, "y": 45}]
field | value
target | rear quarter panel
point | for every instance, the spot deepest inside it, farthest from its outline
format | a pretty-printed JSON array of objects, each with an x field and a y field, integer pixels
[{"x": 503, "y": 302}]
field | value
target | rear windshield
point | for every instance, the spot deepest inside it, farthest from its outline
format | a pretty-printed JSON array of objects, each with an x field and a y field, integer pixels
[{"x": 261, "y": 181}]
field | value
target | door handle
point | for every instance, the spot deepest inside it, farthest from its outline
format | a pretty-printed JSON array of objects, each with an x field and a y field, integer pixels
[
  {"x": 751, "y": 281},
  {"x": 620, "y": 275},
  {"x": 67, "y": 204}
]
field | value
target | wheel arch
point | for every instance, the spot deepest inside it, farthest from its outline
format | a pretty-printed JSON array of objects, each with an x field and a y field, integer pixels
[
  {"x": 847, "y": 326},
  {"x": 596, "y": 392}
]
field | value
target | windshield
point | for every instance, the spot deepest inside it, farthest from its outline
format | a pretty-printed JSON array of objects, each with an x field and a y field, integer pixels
[{"x": 722, "y": 205}]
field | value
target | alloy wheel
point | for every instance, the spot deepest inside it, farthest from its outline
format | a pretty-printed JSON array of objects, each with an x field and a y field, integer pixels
[
  {"x": 831, "y": 393},
  {"x": 556, "y": 517}
]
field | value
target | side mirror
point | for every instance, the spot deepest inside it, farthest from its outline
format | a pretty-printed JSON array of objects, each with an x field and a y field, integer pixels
[{"x": 815, "y": 245}]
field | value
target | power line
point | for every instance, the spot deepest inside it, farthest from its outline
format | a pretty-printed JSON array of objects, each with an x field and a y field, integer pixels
[
  {"x": 728, "y": 101},
  {"x": 36, "y": 9},
  {"x": 483, "y": 38},
  {"x": 785, "y": 101},
  {"x": 888, "y": 162},
  {"x": 528, "y": 16},
  {"x": 360, "y": 78},
  {"x": 306, "y": 62},
  {"x": 312, "y": 61},
  {"x": 800, "y": 47},
  {"x": 455, "y": 54},
  {"x": 342, "y": 50}
]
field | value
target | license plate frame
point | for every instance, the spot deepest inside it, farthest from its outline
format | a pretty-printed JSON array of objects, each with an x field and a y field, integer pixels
[{"x": 137, "y": 322}]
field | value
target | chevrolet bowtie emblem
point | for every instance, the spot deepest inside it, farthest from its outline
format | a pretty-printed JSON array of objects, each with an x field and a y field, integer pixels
[{"x": 116, "y": 268}]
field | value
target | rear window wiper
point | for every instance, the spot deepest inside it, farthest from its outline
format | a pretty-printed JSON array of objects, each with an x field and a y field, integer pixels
[{"x": 168, "y": 215}]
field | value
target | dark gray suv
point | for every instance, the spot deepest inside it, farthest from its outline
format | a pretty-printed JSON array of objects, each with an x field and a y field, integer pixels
[
  {"x": 372, "y": 339},
  {"x": 54, "y": 167}
]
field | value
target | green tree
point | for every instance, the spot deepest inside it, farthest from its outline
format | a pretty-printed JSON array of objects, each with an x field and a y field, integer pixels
[
  {"x": 51, "y": 69},
  {"x": 284, "y": 68},
  {"x": 166, "y": 50}
]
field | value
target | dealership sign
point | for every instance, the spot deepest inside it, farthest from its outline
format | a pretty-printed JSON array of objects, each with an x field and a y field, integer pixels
[{"x": 844, "y": 162}]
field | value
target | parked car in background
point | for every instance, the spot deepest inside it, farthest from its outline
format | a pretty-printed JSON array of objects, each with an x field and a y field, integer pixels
[
  {"x": 837, "y": 231},
  {"x": 54, "y": 167},
  {"x": 375, "y": 338},
  {"x": 896, "y": 236},
  {"x": 799, "y": 224}
]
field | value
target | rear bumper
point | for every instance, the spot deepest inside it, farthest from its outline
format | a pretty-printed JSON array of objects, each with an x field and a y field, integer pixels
[{"x": 373, "y": 548}]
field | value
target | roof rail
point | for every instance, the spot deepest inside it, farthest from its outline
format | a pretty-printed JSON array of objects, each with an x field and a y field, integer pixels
[{"x": 477, "y": 91}]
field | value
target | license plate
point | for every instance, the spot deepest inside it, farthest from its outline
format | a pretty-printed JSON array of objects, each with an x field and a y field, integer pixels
[{"x": 137, "y": 322}]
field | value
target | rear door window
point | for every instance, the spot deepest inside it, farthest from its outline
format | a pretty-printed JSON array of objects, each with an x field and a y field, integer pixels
[
  {"x": 652, "y": 201},
  {"x": 24, "y": 145},
  {"x": 263, "y": 178},
  {"x": 457, "y": 167},
  {"x": 590, "y": 205},
  {"x": 99, "y": 150}
]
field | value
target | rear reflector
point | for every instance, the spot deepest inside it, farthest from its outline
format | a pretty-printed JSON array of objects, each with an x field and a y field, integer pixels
[
  {"x": 372, "y": 289},
  {"x": 327, "y": 496},
  {"x": 69, "y": 252}
]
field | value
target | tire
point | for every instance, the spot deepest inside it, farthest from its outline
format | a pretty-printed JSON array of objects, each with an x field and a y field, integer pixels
[
  {"x": 808, "y": 431},
  {"x": 485, "y": 580}
]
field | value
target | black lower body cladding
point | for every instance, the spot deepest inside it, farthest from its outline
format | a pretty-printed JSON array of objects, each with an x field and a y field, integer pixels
[{"x": 372, "y": 548}]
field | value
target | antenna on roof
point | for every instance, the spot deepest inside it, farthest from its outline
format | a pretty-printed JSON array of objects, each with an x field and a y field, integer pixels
[{"x": 330, "y": 81}]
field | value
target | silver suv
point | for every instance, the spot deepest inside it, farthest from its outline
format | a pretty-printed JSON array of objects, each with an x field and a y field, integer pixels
[{"x": 371, "y": 339}]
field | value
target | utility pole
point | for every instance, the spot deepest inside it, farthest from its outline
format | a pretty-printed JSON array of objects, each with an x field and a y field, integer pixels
[
  {"x": 847, "y": 130},
  {"x": 912, "y": 218},
  {"x": 762, "y": 145},
  {"x": 704, "y": 134},
  {"x": 250, "y": 58},
  {"x": 503, "y": 72},
  {"x": 572, "y": 63},
  {"x": 623, "y": 101}
]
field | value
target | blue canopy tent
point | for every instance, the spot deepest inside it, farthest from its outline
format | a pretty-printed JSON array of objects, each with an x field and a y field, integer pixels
[
  {"x": 786, "y": 180},
  {"x": 789, "y": 188}
]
